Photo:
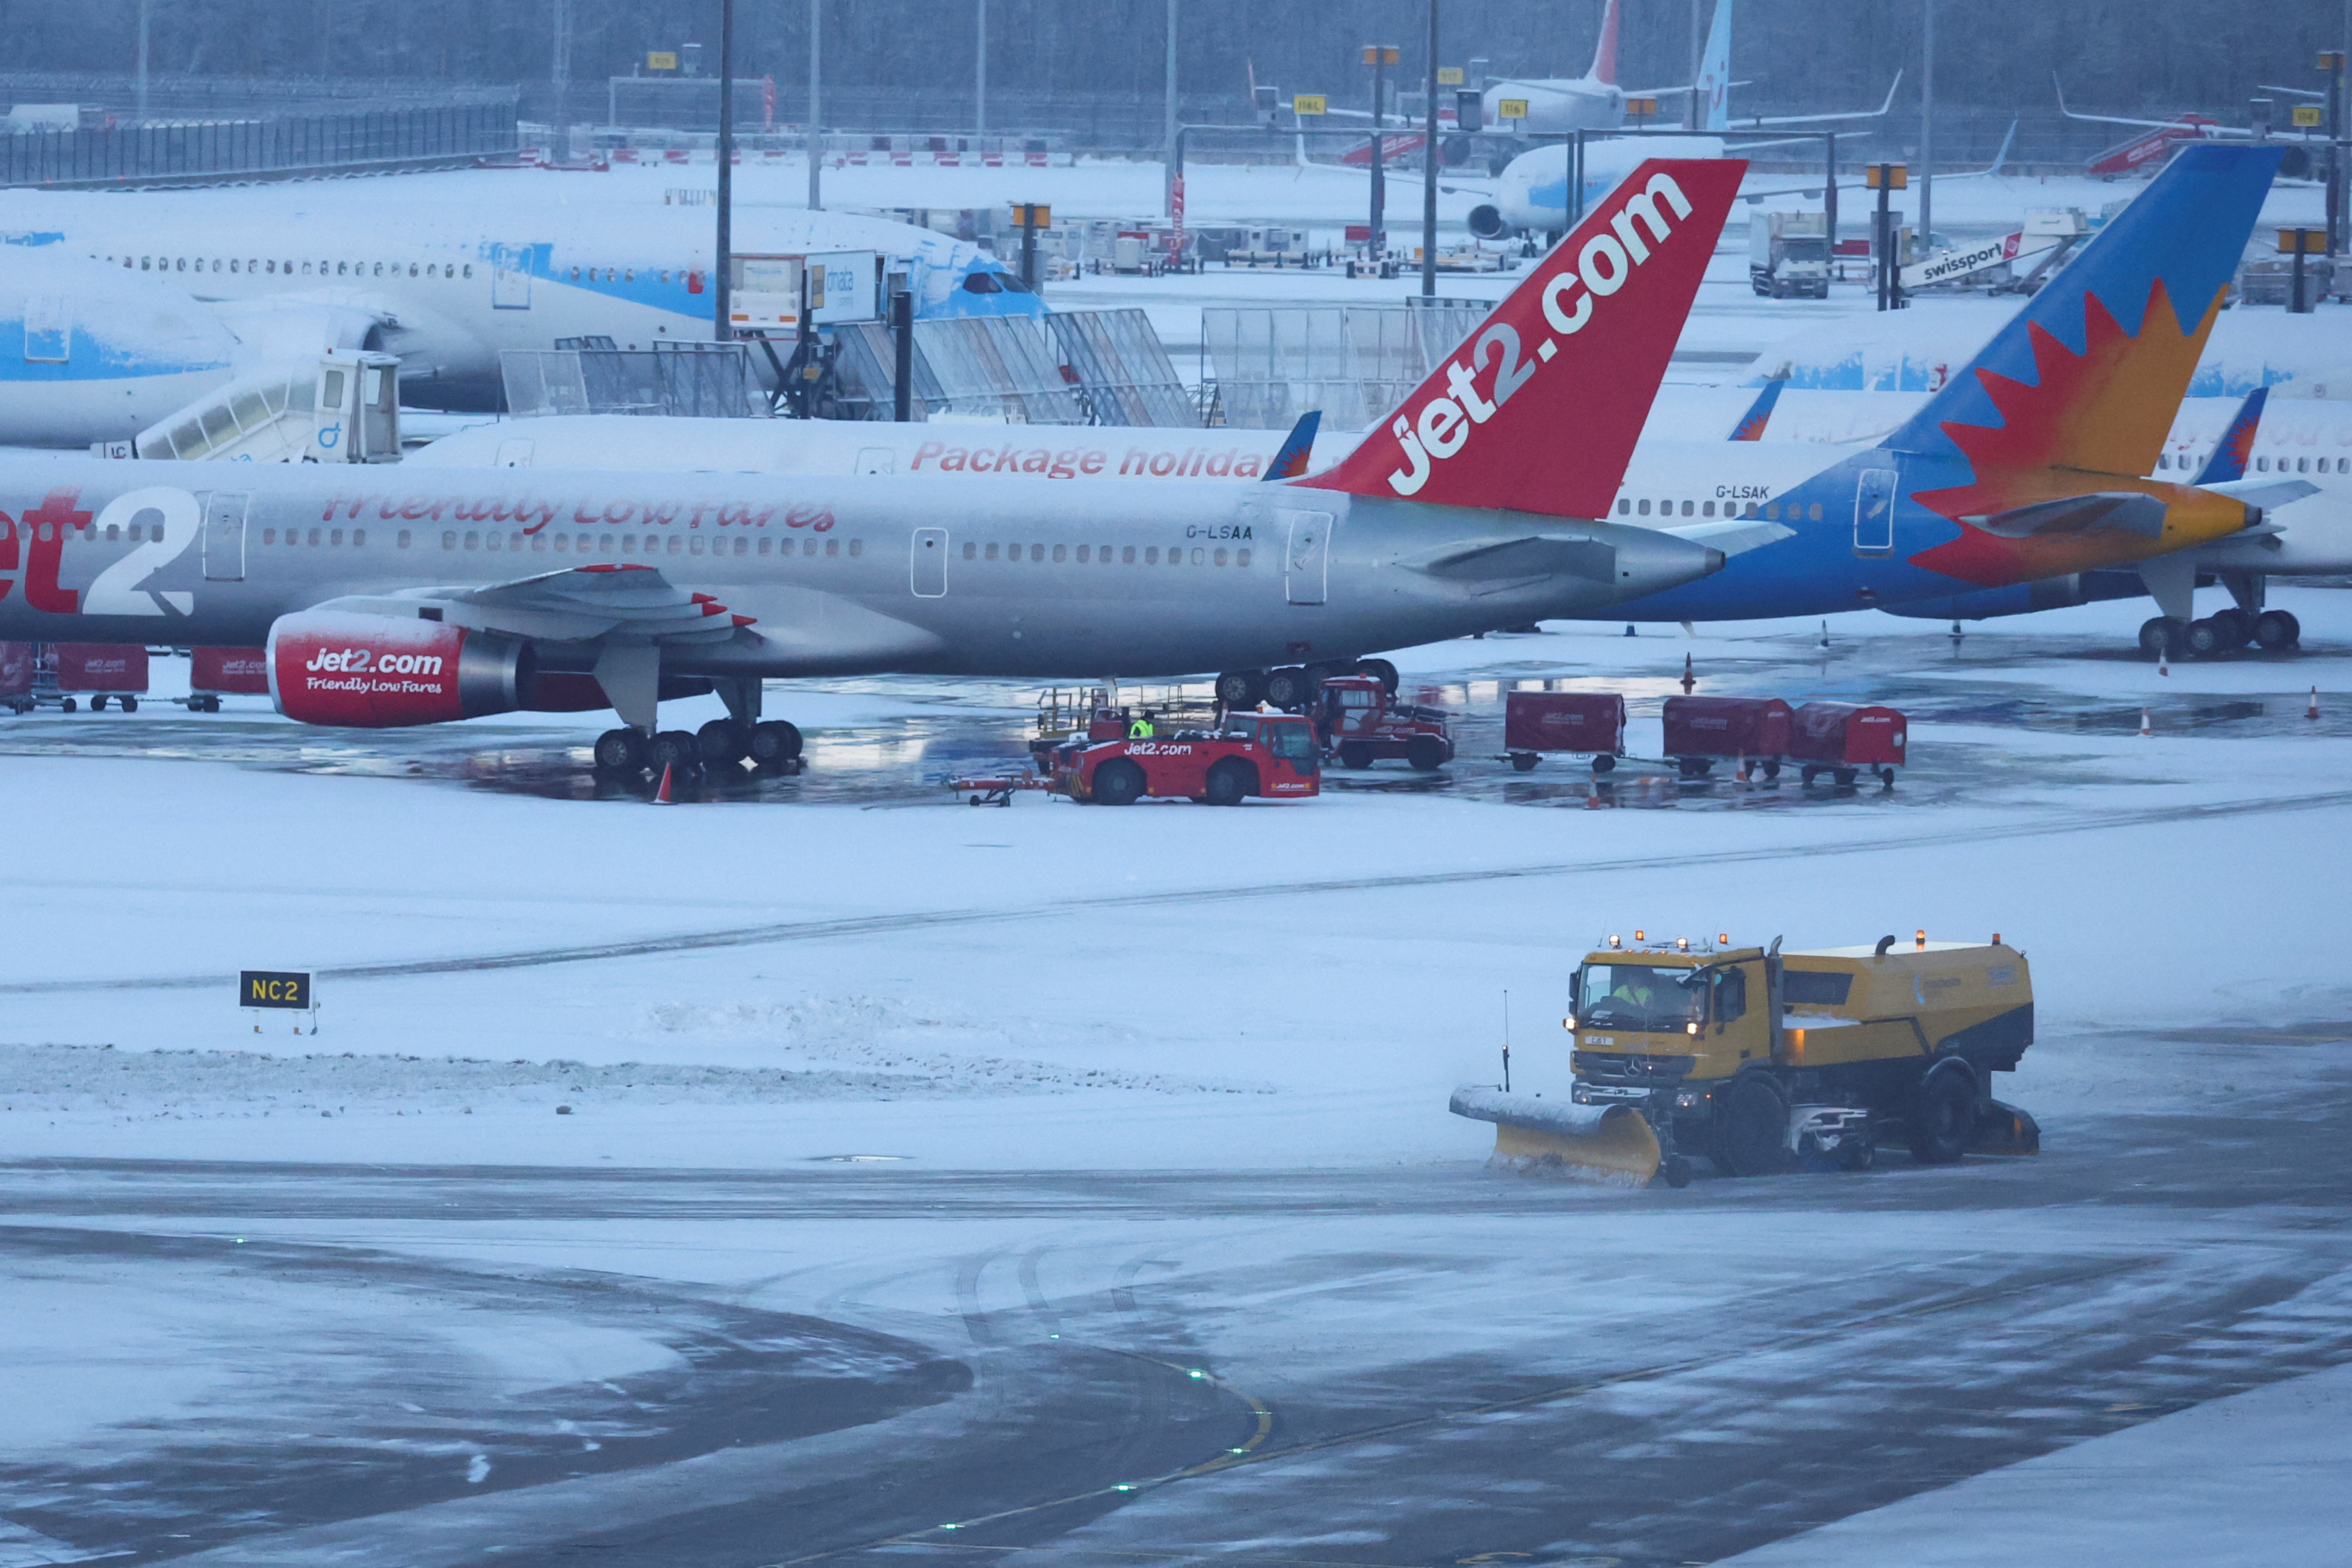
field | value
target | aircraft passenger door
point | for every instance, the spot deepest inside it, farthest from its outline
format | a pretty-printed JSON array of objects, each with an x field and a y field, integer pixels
[
  {"x": 225, "y": 536},
  {"x": 510, "y": 277},
  {"x": 1307, "y": 556},
  {"x": 1873, "y": 511},
  {"x": 926, "y": 572},
  {"x": 48, "y": 330}
]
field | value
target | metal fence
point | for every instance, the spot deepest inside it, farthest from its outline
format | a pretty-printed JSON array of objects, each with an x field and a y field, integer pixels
[
  {"x": 1090, "y": 368},
  {"x": 196, "y": 151},
  {"x": 692, "y": 380},
  {"x": 1122, "y": 368},
  {"x": 1270, "y": 364}
]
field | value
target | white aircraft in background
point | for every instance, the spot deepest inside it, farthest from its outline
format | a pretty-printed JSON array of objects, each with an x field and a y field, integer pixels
[
  {"x": 446, "y": 290},
  {"x": 1530, "y": 195}
]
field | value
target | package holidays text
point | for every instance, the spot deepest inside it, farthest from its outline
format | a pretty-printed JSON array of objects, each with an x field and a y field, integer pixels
[{"x": 1075, "y": 462}]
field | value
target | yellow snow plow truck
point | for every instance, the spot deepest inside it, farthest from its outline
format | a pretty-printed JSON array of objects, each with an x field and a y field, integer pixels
[{"x": 1763, "y": 1061}]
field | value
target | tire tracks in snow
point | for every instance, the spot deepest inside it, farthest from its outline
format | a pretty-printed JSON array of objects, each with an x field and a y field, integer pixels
[{"x": 874, "y": 925}]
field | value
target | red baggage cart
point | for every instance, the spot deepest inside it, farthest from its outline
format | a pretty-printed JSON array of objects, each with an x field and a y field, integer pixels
[
  {"x": 1538, "y": 721},
  {"x": 1842, "y": 738},
  {"x": 1700, "y": 731},
  {"x": 17, "y": 677},
  {"x": 218, "y": 672},
  {"x": 98, "y": 672}
]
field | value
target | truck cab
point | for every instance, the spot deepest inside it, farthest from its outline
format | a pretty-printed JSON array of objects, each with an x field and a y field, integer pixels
[{"x": 1753, "y": 1058}]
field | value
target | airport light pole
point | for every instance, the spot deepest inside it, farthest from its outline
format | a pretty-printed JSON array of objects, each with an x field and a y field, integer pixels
[
  {"x": 722, "y": 326},
  {"x": 980, "y": 72},
  {"x": 558, "y": 61},
  {"x": 816, "y": 119},
  {"x": 1927, "y": 121},
  {"x": 143, "y": 61},
  {"x": 1429, "y": 171},
  {"x": 1379, "y": 57},
  {"x": 1167, "y": 119}
]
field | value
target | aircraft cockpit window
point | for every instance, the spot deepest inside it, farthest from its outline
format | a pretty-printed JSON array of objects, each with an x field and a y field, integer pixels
[
  {"x": 1012, "y": 285},
  {"x": 980, "y": 283}
]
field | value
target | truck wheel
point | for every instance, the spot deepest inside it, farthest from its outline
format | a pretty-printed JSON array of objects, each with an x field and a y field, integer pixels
[
  {"x": 67, "y": 706},
  {"x": 1230, "y": 783},
  {"x": 1604, "y": 763},
  {"x": 98, "y": 705},
  {"x": 1886, "y": 777},
  {"x": 1808, "y": 776},
  {"x": 1943, "y": 1115},
  {"x": 1525, "y": 762},
  {"x": 1752, "y": 1139},
  {"x": 1289, "y": 688},
  {"x": 1773, "y": 767},
  {"x": 1858, "y": 1153},
  {"x": 130, "y": 705},
  {"x": 1693, "y": 767},
  {"x": 1381, "y": 670},
  {"x": 1240, "y": 689},
  {"x": 1425, "y": 754},
  {"x": 1845, "y": 778},
  {"x": 1119, "y": 783},
  {"x": 1355, "y": 755}
]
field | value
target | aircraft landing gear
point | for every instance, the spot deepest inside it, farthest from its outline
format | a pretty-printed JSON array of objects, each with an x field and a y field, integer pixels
[
  {"x": 2163, "y": 637},
  {"x": 775, "y": 747},
  {"x": 2276, "y": 629}
]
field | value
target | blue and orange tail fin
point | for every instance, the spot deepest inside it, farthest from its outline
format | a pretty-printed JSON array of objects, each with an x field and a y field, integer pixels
[
  {"x": 2235, "y": 451},
  {"x": 1539, "y": 409},
  {"x": 1291, "y": 461},
  {"x": 1759, "y": 414},
  {"x": 2090, "y": 375}
]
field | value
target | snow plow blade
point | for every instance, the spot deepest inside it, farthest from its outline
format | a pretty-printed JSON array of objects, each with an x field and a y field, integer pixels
[
  {"x": 2005, "y": 1129},
  {"x": 1605, "y": 1145}
]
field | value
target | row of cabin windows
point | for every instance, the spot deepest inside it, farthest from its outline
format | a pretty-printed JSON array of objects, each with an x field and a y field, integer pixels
[
  {"x": 2261, "y": 464},
  {"x": 1772, "y": 510},
  {"x": 1125, "y": 556},
  {"x": 623, "y": 274},
  {"x": 627, "y": 544},
  {"x": 325, "y": 268}
]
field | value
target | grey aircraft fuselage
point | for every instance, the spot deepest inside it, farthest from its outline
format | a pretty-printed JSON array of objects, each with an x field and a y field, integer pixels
[{"x": 839, "y": 575}]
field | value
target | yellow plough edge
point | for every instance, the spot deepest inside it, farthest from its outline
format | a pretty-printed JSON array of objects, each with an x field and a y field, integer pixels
[{"x": 1603, "y": 1145}]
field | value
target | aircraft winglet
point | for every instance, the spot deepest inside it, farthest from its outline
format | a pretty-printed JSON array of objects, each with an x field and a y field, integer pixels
[
  {"x": 1540, "y": 410},
  {"x": 2236, "y": 447},
  {"x": 1291, "y": 461}
]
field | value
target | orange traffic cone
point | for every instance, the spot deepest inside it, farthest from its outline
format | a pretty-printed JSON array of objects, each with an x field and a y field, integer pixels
[
  {"x": 2313, "y": 711},
  {"x": 2143, "y": 723},
  {"x": 662, "y": 796},
  {"x": 2164, "y": 661}
]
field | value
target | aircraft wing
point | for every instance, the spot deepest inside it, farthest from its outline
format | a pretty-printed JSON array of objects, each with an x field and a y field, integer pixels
[
  {"x": 2175, "y": 123},
  {"x": 584, "y": 604},
  {"x": 1753, "y": 122}
]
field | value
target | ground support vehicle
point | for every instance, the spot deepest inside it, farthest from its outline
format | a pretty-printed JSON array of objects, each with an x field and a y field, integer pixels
[
  {"x": 218, "y": 672},
  {"x": 1788, "y": 253},
  {"x": 67, "y": 674},
  {"x": 998, "y": 789},
  {"x": 1269, "y": 754},
  {"x": 1760, "y": 1061},
  {"x": 1841, "y": 738},
  {"x": 17, "y": 677},
  {"x": 1535, "y": 722},
  {"x": 1704, "y": 730},
  {"x": 1360, "y": 722}
]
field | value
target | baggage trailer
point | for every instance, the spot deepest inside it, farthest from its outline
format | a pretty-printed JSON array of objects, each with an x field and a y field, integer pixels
[
  {"x": 17, "y": 677},
  {"x": 218, "y": 672},
  {"x": 1761, "y": 1060},
  {"x": 1703, "y": 730},
  {"x": 1269, "y": 754},
  {"x": 1359, "y": 720},
  {"x": 1535, "y": 722},
  {"x": 66, "y": 674},
  {"x": 1842, "y": 738}
]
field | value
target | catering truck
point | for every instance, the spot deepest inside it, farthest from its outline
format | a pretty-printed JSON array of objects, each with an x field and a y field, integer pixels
[{"x": 1759, "y": 1060}]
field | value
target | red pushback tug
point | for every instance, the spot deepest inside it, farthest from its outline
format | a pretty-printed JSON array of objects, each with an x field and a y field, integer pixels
[
  {"x": 1269, "y": 754},
  {"x": 1359, "y": 720}
]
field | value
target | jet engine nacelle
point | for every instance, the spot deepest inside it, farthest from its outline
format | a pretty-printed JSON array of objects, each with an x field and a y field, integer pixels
[
  {"x": 1487, "y": 221},
  {"x": 380, "y": 672}
]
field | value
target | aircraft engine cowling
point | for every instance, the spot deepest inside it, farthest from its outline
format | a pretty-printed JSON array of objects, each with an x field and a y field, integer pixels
[
  {"x": 1487, "y": 221},
  {"x": 380, "y": 672}
]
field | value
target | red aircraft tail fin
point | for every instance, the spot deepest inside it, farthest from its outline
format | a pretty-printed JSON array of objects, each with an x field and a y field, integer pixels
[{"x": 1540, "y": 410}]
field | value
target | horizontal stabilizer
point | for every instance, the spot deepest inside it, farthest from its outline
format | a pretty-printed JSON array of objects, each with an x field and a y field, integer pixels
[
  {"x": 2265, "y": 493},
  {"x": 2126, "y": 510}
]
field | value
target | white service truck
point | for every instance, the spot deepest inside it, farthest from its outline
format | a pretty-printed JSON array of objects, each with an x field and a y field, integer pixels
[{"x": 1788, "y": 253}]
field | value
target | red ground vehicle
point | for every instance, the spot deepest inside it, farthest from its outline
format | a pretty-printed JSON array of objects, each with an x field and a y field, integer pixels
[
  {"x": 1270, "y": 754},
  {"x": 1356, "y": 719},
  {"x": 1701, "y": 731},
  {"x": 218, "y": 672},
  {"x": 17, "y": 677},
  {"x": 1840, "y": 738},
  {"x": 1538, "y": 721}
]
